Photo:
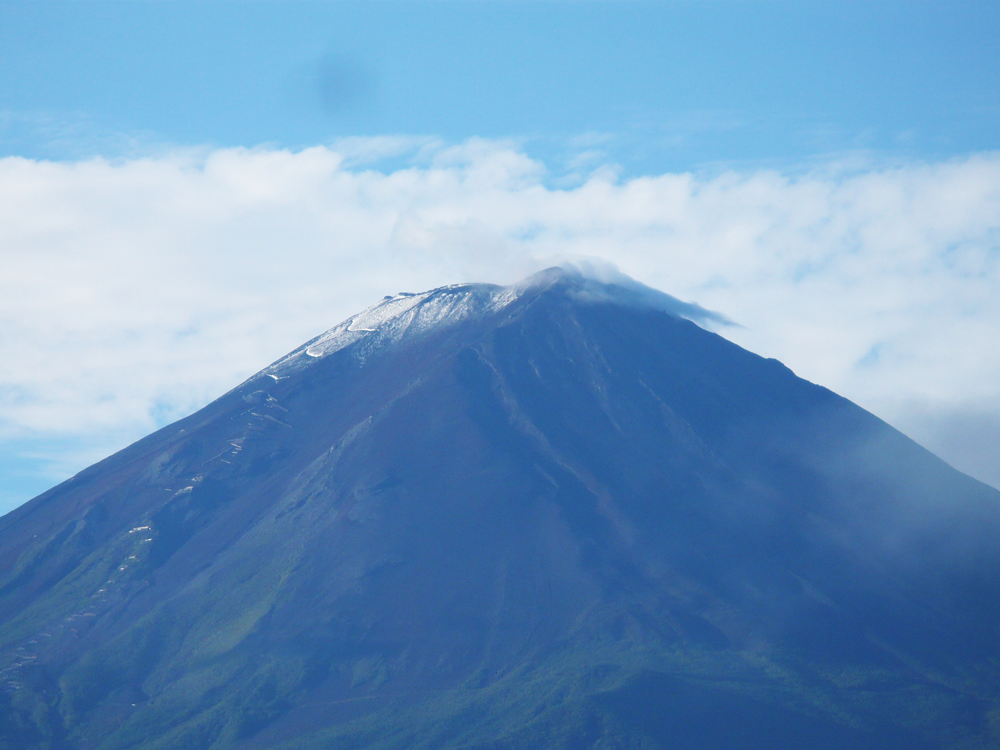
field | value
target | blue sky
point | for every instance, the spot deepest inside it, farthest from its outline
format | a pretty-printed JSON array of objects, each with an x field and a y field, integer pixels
[
  {"x": 190, "y": 190},
  {"x": 660, "y": 85}
]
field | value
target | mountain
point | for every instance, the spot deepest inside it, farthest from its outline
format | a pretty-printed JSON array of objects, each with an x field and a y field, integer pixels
[{"x": 558, "y": 514}]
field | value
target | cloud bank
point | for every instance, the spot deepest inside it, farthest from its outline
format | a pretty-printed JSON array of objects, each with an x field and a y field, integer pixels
[{"x": 134, "y": 291}]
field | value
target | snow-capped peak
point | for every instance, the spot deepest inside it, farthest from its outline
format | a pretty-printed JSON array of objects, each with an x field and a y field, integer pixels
[
  {"x": 405, "y": 315},
  {"x": 400, "y": 317}
]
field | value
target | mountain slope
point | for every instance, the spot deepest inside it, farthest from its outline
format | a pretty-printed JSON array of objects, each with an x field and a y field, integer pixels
[{"x": 551, "y": 514}]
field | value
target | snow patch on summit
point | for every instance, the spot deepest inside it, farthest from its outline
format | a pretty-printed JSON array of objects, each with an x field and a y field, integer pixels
[{"x": 401, "y": 317}]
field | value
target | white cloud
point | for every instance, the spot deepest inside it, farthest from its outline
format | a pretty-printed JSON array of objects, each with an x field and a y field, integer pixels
[{"x": 134, "y": 291}]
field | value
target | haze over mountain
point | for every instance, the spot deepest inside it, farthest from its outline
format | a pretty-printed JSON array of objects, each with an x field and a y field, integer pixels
[{"x": 555, "y": 514}]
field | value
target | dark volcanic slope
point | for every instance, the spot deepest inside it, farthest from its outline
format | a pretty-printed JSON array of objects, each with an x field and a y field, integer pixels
[{"x": 508, "y": 517}]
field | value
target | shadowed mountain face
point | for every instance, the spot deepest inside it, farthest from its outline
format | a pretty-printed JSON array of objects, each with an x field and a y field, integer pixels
[{"x": 548, "y": 515}]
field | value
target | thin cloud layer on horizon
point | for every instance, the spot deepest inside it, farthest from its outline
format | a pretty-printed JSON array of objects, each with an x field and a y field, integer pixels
[{"x": 137, "y": 290}]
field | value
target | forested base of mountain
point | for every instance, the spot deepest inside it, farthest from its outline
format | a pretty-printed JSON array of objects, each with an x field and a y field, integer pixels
[
  {"x": 744, "y": 701},
  {"x": 619, "y": 695}
]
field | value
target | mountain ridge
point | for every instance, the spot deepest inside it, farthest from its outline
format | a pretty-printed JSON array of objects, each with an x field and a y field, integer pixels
[{"x": 514, "y": 527}]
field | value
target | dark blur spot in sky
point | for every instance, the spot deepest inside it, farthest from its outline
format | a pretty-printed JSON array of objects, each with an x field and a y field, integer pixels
[{"x": 344, "y": 84}]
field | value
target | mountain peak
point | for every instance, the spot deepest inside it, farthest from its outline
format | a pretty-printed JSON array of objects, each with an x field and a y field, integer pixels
[
  {"x": 406, "y": 315},
  {"x": 401, "y": 318},
  {"x": 525, "y": 516}
]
